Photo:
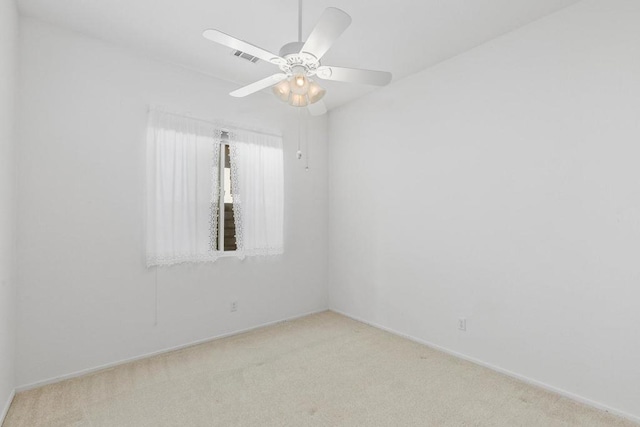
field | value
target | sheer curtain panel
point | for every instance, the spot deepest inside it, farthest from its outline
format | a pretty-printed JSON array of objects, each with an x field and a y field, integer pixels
[
  {"x": 257, "y": 184},
  {"x": 182, "y": 189}
]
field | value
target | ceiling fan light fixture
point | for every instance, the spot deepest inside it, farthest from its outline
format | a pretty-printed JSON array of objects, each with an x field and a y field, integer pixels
[
  {"x": 282, "y": 90},
  {"x": 298, "y": 100},
  {"x": 299, "y": 60},
  {"x": 316, "y": 92}
]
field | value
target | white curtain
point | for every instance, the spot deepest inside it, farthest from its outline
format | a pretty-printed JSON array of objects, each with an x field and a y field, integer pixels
[
  {"x": 257, "y": 185},
  {"x": 182, "y": 189}
]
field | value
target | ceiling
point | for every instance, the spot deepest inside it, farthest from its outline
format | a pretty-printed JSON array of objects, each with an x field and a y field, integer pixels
[{"x": 401, "y": 36}]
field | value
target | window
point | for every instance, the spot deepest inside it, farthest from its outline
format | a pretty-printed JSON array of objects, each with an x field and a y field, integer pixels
[
  {"x": 226, "y": 220},
  {"x": 211, "y": 192}
]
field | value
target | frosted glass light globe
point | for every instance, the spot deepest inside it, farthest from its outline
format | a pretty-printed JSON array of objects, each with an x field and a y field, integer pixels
[
  {"x": 299, "y": 81},
  {"x": 298, "y": 100},
  {"x": 316, "y": 93},
  {"x": 282, "y": 90}
]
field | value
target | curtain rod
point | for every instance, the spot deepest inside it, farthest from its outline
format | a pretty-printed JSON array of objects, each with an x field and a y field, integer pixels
[{"x": 223, "y": 125}]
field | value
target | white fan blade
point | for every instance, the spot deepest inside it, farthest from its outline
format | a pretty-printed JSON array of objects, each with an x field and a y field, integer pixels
[
  {"x": 317, "y": 108},
  {"x": 241, "y": 45},
  {"x": 332, "y": 23},
  {"x": 354, "y": 75},
  {"x": 259, "y": 85}
]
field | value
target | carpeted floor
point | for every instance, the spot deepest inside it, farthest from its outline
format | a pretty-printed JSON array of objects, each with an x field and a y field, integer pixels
[{"x": 321, "y": 370}]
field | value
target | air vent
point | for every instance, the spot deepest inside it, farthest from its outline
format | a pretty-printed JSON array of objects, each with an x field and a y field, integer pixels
[{"x": 243, "y": 55}]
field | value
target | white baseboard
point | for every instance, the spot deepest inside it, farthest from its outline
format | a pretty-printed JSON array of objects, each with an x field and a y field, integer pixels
[
  {"x": 522, "y": 378},
  {"x": 5, "y": 411},
  {"x": 156, "y": 353}
]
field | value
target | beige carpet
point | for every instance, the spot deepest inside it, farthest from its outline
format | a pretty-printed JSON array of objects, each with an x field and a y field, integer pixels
[{"x": 321, "y": 370}]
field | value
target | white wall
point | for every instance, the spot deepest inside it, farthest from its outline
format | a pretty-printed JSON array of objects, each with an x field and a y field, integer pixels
[
  {"x": 8, "y": 56},
  {"x": 85, "y": 298},
  {"x": 504, "y": 186}
]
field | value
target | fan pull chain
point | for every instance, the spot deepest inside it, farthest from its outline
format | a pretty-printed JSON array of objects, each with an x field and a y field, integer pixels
[
  {"x": 299, "y": 153},
  {"x": 306, "y": 142}
]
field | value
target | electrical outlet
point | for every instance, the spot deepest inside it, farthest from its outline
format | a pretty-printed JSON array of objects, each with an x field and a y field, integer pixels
[
  {"x": 462, "y": 324},
  {"x": 234, "y": 306}
]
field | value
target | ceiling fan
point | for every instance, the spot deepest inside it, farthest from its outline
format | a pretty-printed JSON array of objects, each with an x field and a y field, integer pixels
[{"x": 300, "y": 61}]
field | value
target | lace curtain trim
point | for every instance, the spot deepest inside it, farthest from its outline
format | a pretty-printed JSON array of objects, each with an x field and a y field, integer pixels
[
  {"x": 181, "y": 259},
  {"x": 215, "y": 191}
]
